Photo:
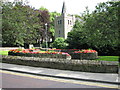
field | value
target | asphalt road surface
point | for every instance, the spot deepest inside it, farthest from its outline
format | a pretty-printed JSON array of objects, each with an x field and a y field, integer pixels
[{"x": 20, "y": 80}]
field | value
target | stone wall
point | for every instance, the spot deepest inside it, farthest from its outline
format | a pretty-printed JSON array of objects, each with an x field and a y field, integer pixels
[
  {"x": 75, "y": 65},
  {"x": 86, "y": 56}
]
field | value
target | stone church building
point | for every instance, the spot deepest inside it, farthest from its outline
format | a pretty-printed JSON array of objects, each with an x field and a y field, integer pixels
[{"x": 63, "y": 23}]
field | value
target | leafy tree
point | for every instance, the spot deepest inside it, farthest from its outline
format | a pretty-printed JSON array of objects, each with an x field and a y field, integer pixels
[
  {"x": 45, "y": 18},
  {"x": 18, "y": 24},
  {"x": 52, "y": 18},
  {"x": 102, "y": 26},
  {"x": 59, "y": 43},
  {"x": 100, "y": 29},
  {"x": 43, "y": 9},
  {"x": 77, "y": 37},
  {"x": 9, "y": 25},
  {"x": 22, "y": 24}
]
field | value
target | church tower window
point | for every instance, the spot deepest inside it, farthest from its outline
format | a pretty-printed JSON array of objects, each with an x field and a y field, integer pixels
[
  {"x": 60, "y": 21},
  {"x": 68, "y": 22}
]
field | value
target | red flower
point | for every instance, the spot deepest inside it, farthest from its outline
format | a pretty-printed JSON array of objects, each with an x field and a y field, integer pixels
[{"x": 85, "y": 51}]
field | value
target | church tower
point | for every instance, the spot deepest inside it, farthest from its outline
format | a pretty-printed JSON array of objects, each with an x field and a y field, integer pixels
[{"x": 64, "y": 23}]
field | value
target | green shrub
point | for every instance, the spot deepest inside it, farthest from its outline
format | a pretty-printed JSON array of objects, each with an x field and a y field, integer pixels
[{"x": 59, "y": 43}]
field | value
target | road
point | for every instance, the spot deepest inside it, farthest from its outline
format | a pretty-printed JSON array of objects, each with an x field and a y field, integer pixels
[{"x": 20, "y": 80}]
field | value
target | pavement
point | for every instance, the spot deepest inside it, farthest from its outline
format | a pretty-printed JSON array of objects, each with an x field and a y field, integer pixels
[{"x": 111, "y": 78}]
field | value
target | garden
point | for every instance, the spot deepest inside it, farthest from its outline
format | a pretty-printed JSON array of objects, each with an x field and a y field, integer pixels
[
  {"x": 97, "y": 30},
  {"x": 57, "y": 51},
  {"x": 39, "y": 53},
  {"x": 85, "y": 60}
]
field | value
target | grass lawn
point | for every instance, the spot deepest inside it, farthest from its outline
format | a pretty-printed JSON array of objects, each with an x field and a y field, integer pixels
[
  {"x": 3, "y": 52},
  {"x": 108, "y": 58}
]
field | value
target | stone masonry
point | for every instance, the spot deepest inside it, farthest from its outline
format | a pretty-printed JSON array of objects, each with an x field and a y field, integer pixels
[{"x": 63, "y": 23}]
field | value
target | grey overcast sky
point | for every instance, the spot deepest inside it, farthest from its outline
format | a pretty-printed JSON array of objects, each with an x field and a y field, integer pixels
[{"x": 73, "y": 6}]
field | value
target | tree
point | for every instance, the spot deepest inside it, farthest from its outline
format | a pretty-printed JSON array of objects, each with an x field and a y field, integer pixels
[
  {"x": 77, "y": 37},
  {"x": 43, "y": 9},
  {"x": 99, "y": 29},
  {"x": 45, "y": 18},
  {"x": 52, "y": 23},
  {"x": 59, "y": 43},
  {"x": 9, "y": 34},
  {"x": 23, "y": 24},
  {"x": 102, "y": 26},
  {"x": 19, "y": 24}
]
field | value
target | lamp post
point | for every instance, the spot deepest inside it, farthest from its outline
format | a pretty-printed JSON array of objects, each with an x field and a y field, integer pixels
[{"x": 46, "y": 35}]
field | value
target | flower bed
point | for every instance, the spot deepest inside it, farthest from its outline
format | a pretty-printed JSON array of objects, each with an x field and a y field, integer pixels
[
  {"x": 65, "y": 50},
  {"x": 56, "y": 53},
  {"x": 38, "y": 53},
  {"x": 85, "y": 54}
]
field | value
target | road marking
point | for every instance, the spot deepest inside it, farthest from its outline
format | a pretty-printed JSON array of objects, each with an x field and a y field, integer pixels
[{"x": 60, "y": 80}]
